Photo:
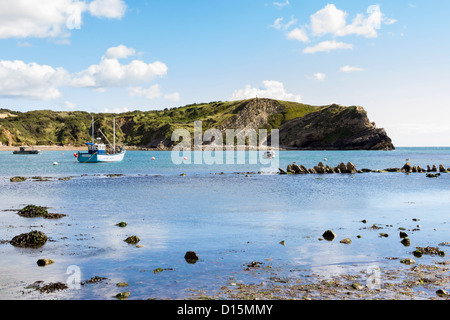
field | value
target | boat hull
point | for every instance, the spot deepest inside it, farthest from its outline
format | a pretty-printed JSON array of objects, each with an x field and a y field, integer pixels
[
  {"x": 26, "y": 152},
  {"x": 91, "y": 158}
]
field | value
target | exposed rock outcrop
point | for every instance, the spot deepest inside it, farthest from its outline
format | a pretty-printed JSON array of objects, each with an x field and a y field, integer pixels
[{"x": 334, "y": 128}]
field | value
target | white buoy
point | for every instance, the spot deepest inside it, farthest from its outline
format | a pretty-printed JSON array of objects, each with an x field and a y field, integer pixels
[
  {"x": 325, "y": 159},
  {"x": 55, "y": 163}
]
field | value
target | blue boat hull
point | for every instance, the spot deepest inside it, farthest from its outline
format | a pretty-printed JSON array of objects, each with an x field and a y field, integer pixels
[{"x": 90, "y": 158}]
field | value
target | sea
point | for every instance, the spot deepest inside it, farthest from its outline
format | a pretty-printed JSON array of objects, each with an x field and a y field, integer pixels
[{"x": 233, "y": 214}]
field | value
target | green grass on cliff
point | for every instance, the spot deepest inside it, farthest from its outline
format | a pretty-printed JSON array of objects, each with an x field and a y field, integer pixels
[{"x": 46, "y": 127}]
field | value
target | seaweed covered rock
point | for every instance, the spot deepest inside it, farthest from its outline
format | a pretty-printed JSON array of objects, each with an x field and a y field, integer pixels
[
  {"x": 17, "y": 179},
  {"x": 32, "y": 211},
  {"x": 132, "y": 240},
  {"x": 33, "y": 239}
]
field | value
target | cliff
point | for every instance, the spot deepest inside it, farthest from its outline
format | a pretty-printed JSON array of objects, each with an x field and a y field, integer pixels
[
  {"x": 334, "y": 128},
  {"x": 301, "y": 126}
]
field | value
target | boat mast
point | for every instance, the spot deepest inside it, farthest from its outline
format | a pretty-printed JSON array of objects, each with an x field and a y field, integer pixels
[{"x": 93, "y": 130}]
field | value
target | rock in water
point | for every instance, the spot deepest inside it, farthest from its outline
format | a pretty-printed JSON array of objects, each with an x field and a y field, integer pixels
[
  {"x": 132, "y": 240},
  {"x": 33, "y": 239},
  {"x": 32, "y": 211},
  {"x": 351, "y": 168},
  {"x": 407, "y": 167},
  {"x": 329, "y": 235},
  {"x": 45, "y": 262},
  {"x": 191, "y": 257}
]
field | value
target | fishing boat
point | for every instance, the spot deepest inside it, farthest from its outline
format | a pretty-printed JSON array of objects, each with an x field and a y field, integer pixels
[
  {"x": 100, "y": 152},
  {"x": 23, "y": 150}
]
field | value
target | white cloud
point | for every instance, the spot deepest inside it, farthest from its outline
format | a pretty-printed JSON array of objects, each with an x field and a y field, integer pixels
[
  {"x": 150, "y": 93},
  {"x": 33, "y": 81},
  {"x": 328, "y": 20},
  {"x": 119, "y": 52},
  {"x": 51, "y": 18},
  {"x": 348, "y": 69},
  {"x": 175, "y": 97},
  {"x": 298, "y": 34},
  {"x": 114, "y": 9},
  {"x": 111, "y": 73},
  {"x": 42, "y": 82},
  {"x": 281, "y": 4},
  {"x": 271, "y": 89},
  {"x": 70, "y": 105},
  {"x": 331, "y": 20},
  {"x": 327, "y": 46},
  {"x": 116, "y": 110},
  {"x": 319, "y": 76},
  {"x": 279, "y": 25}
]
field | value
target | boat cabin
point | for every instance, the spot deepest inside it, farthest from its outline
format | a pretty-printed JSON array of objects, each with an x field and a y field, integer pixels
[{"x": 99, "y": 148}]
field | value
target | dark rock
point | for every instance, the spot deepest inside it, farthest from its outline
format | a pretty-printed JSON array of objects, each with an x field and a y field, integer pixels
[
  {"x": 123, "y": 295},
  {"x": 17, "y": 179},
  {"x": 442, "y": 293},
  {"x": 296, "y": 169},
  {"x": 408, "y": 261},
  {"x": 406, "y": 242},
  {"x": 121, "y": 224},
  {"x": 93, "y": 280},
  {"x": 407, "y": 167},
  {"x": 45, "y": 262},
  {"x": 403, "y": 234},
  {"x": 32, "y": 211},
  {"x": 33, "y": 239},
  {"x": 191, "y": 257},
  {"x": 132, "y": 240},
  {"x": 351, "y": 168},
  {"x": 329, "y": 235},
  {"x": 52, "y": 287}
]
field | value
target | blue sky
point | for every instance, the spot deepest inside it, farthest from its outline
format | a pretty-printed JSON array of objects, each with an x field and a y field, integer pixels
[{"x": 391, "y": 57}]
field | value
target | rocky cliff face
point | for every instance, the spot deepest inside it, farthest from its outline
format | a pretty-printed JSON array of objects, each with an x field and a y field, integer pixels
[
  {"x": 334, "y": 128},
  {"x": 253, "y": 114},
  {"x": 301, "y": 126}
]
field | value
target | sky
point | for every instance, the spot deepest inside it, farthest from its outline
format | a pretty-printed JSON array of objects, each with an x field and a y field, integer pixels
[{"x": 390, "y": 57}]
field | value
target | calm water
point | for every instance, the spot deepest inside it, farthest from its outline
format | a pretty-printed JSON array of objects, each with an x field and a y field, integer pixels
[{"x": 228, "y": 219}]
